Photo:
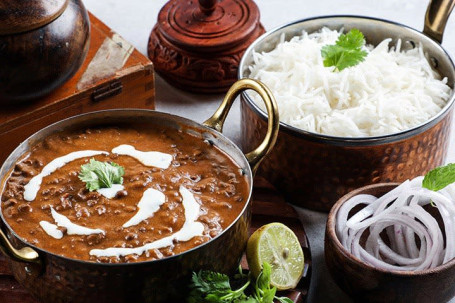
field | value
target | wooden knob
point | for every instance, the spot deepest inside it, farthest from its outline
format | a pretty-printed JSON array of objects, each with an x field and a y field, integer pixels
[{"x": 207, "y": 6}]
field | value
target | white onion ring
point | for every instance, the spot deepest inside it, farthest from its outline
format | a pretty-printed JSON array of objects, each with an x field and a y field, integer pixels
[{"x": 401, "y": 215}]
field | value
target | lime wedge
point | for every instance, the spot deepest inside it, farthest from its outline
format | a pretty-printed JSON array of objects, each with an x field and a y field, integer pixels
[{"x": 276, "y": 244}]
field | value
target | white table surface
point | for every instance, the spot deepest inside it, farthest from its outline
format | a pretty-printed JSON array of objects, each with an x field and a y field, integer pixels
[{"x": 133, "y": 19}]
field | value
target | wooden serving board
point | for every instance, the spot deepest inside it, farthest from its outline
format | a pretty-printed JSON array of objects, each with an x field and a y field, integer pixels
[{"x": 268, "y": 206}]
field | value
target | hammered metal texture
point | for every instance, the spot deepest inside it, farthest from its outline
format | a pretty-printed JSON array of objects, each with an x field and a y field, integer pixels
[
  {"x": 315, "y": 175},
  {"x": 65, "y": 281}
]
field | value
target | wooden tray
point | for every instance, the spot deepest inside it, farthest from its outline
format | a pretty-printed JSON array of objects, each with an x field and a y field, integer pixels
[{"x": 268, "y": 206}]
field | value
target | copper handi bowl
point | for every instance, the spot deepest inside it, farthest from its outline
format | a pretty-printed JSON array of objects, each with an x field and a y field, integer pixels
[
  {"x": 314, "y": 170},
  {"x": 53, "y": 278},
  {"x": 365, "y": 283}
]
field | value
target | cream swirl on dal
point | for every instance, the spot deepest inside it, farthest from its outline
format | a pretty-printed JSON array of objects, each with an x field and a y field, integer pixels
[
  {"x": 150, "y": 202},
  {"x": 147, "y": 211},
  {"x": 191, "y": 228}
]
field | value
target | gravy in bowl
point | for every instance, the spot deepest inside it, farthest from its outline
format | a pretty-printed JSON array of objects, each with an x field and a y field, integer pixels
[{"x": 178, "y": 192}]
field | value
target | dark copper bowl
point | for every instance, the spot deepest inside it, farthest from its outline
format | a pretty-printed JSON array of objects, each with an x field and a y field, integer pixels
[
  {"x": 52, "y": 278},
  {"x": 365, "y": 283},
  {"x": 314, "y": 170},
  {"x": 35, "y": 62}
]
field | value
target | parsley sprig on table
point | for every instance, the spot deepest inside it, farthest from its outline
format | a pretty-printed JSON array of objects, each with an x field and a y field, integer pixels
[
  {"x": 208, "y": 286},
  {"x": 346, "y": 52},
  {"x": 97, "y": 174}
]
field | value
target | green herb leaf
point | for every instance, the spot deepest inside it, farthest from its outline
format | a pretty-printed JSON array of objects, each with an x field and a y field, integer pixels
[
  {"x": 439, "y": 177},
  {"x": 263, "y": 280},
  {"x": 247, "y": 300},
  {"x": 263, "y": 292},
  {"x": 208, "y": 286},
  {"x": 268, "y": 295},
  {"x": 346, "y": 52},
  {"x": 97, "y": 174},
  {"x": 284, "y": 300}
]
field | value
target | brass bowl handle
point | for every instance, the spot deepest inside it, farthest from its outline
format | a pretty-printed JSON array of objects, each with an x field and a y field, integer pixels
[
  {"x": 217, "y": 120},
  {"x": 25, "y": 254},
  {"x": 436, "y": 17}
]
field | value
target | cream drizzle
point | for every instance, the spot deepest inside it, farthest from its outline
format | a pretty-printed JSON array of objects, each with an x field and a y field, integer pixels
[
  {"x": 112, "y": 191},
  {"x": 33, "y": 186},
  {"x": 191, "y": 228},
  {"x": 51, "y": 229},
  {"x": 150, "y": 202},
  {"x": 151, "y": 158},
  {"x": 71, "y": 228}
]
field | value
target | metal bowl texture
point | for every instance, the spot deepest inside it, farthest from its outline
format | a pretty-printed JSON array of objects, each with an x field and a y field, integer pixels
[
  {"x": 53, "y": 278},
  {"x": 314, "y": 170}
]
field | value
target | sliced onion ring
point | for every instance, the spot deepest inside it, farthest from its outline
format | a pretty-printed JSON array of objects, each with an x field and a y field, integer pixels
[{"x": 415, "y": 241}]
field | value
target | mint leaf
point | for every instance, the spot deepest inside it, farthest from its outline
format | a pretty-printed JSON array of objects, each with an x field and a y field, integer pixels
[
  {"x": 97, "y": 174},
  {"x": 439, "y": 177},
  {"x": 346, "y": 52}
]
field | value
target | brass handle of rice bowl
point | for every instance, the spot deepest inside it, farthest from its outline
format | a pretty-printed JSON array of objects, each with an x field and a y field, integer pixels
[
  {"x": 217, "y": 120},
  {"x": 25, "y": 254},
  {"x": 436, "y": 17}
]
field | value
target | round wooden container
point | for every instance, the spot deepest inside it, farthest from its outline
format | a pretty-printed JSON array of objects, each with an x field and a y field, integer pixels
[{"x": 197, "y": 45}]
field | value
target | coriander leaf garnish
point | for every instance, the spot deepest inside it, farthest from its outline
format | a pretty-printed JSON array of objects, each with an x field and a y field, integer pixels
[
  {"x": 97, "y": 174},
  {"x": 439, "y": 177},
  {"x": 346, "y": 52},
  {"x": 208, "y": 286}
]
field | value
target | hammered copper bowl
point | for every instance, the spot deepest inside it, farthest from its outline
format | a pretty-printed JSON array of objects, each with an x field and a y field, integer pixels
[
  {"x": 365, "y": 283},
  {"x": 314, "y": 170},
  {"x": 52, "y": 278}
]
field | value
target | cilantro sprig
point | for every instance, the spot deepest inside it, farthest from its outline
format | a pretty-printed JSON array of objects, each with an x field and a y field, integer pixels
[
  {"x": 346, "y": 52},
  {"x": 439, "y": 177},
  {"x": 97, "y": 174},
  {"x": 208, "y": 286}
]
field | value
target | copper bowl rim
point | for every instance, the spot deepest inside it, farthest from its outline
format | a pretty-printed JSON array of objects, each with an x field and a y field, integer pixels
[
  {"x": 333, "y": 238},
  {"x": 338, "y": 140},
  {"x": 188, "y": 122}
]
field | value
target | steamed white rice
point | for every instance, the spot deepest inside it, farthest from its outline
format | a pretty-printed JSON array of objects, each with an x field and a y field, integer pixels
[{"x": 391, "y": 91}]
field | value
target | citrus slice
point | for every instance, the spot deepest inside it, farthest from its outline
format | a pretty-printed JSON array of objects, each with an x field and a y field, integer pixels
[{"x": 276, "y": 244}]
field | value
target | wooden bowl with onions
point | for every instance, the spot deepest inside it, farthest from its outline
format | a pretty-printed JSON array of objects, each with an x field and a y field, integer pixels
[{"x": 392, "y": 256}]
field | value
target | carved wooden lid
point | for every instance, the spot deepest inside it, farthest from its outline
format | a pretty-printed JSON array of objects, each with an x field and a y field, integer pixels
[
  {"x": 197, "y": 44},
  {"x": 23, "y": 15}
]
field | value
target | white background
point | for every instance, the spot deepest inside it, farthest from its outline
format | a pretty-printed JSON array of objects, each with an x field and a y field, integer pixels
[{"x": 133, "y": 19}]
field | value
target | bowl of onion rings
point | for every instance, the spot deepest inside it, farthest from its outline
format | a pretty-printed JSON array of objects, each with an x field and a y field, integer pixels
[{"x": 393, "y": 242}]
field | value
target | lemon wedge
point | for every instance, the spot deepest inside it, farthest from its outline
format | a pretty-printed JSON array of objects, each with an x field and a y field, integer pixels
[{"x": 276, "y": 244}]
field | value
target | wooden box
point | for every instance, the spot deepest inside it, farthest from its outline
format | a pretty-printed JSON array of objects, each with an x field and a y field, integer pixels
[{"x": 114, "y": 75}]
